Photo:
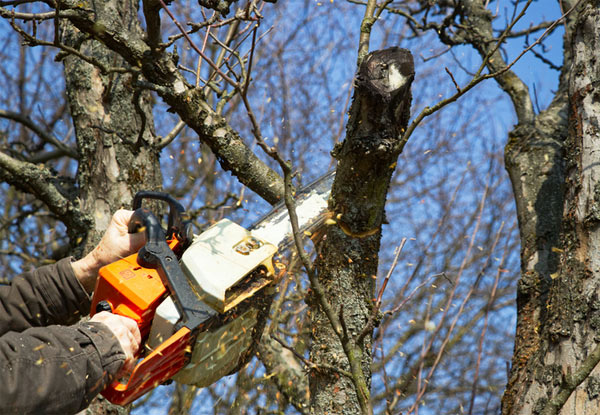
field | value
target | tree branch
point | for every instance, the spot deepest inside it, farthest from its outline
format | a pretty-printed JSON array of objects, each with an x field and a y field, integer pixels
[
  {"x": 40, "y": 132},
  {"x": 187, "y": 101},
  {"x": 38, "y": 181}
]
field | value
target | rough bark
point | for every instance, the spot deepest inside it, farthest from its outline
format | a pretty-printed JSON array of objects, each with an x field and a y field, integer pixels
[
  {"x": 113, "y": 122},
  {"x": 534, "y": 161},
  {"x": 556, "y": 344},
  {"x": 348, "y": 256},
  {"x": 574, "y": 316}
]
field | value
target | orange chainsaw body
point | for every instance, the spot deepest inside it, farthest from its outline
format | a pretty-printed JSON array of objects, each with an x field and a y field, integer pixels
[
  {"x": 130, "y": 291},
  {"x": 135, "y": 292}
]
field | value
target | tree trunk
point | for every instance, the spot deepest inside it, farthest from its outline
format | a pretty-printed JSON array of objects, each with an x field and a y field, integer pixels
[
  {"x": 348, "y": 257},
  {"x": 115, "y": 136},
  {"x": 561, "y": 306},
  {"x": 113, "y": 123},
  {"x": 534, "y": 160}
]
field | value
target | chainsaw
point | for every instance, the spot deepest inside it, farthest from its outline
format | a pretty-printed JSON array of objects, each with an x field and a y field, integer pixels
[{"x": 200, "y": 301}]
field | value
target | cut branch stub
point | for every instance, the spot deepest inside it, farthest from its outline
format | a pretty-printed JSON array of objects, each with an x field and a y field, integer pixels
[
  {"x": 378, "y": 116},
  {"x": 383, "y": 86}
]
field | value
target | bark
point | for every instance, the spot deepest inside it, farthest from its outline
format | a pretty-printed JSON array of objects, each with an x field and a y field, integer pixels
[
  {"x": 573, "y": 307},
  {"x": 348, "y": 256},
  {"x": 555, "y": 347},
  {"x": 118, "y": 153}
]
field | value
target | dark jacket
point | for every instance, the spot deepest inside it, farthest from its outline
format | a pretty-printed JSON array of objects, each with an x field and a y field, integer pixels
[{"x": 47, "y": 368}]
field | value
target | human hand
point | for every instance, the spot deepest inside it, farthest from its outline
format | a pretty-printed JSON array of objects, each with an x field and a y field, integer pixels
[
  {"x": 116, "y": 243},
  {"x": 127, "y": 333}
]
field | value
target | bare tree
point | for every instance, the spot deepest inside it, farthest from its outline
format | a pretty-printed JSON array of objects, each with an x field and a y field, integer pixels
[{"x": 265, "y": 91}]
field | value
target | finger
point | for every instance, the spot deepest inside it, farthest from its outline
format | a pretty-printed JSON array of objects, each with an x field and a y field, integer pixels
[
  {"x": 131, "y": 345},
  {"x": 137, "y": 336},
  {"x": 133, "y": 331},
  {"x": 129, "y": 365}
]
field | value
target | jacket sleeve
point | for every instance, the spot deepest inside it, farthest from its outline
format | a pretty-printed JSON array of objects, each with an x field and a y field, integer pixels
[
  {"x": 48, "y": 295},
  {"x": 56, "y": 369}
]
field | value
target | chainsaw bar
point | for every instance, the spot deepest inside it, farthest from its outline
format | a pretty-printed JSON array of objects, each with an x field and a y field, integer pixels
[{"x": 311, "y": 206}]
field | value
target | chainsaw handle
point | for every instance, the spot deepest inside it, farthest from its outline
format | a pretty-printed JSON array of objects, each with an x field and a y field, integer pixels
[
  {"x": 156, "y": 368},
  {"x": 176, "y": 209},
  {"x": 144, "y": 220}
]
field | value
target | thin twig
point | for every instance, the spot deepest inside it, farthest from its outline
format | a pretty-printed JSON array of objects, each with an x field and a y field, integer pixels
[
  {"x": 369, "y": 326},
  {"x": 411, "y": 295},
  {"x": 463, "y": 303},
  {"x": 33, "y": 41},
  {"x": 196, "y": 49},
  {"x": 365, "y": 30},
  {"x": 247, "y": 80},
  {"x": 36, "y": 17},
  {"x": 485, "y": 324},
  {"x": 168, "y": 139},
  {"x": 453, "y": 80}
]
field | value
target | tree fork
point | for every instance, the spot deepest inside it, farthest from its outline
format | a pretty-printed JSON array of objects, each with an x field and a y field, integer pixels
[{"x": 348, "y": 255}]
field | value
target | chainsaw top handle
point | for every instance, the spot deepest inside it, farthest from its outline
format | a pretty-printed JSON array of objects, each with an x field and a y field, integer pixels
[{"x": 176, "y": 210}]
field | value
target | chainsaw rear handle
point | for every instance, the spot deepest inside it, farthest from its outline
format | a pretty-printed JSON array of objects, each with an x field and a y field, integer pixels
[{"x": 157, "y": 368}]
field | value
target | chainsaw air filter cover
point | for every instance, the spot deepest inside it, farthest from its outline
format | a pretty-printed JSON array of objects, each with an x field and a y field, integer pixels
[{"x": 226, "y": 264}]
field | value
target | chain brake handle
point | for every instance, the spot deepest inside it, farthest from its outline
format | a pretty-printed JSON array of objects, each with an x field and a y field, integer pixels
[{"x": 157, "y": 254}]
